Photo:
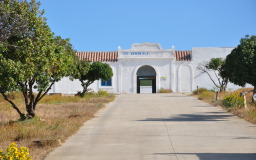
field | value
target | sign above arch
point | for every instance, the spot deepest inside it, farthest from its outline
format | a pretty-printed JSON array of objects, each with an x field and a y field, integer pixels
[{"x": 146, "y": 50}]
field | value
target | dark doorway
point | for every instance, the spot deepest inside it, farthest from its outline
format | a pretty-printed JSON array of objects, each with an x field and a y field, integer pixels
[
  {"x": 149, "y": 80},
  {"x": 146, "y": 76}
]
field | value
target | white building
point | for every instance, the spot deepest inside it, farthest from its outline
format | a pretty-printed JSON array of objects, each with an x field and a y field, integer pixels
[{"x": 151, "y": 64}]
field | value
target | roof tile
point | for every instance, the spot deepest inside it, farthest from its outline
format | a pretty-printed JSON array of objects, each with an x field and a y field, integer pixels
[
  {"x": 183, "y": 55},
  {"x": 110, "y": 56}
]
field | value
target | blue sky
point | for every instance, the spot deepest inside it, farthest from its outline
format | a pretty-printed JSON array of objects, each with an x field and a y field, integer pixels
[{"x": 103, "y": 25}]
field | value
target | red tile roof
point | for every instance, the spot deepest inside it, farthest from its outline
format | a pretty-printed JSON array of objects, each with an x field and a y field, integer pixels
[
  {"x": 111, "y": 56},
  {"x": 183, "y": 55}
]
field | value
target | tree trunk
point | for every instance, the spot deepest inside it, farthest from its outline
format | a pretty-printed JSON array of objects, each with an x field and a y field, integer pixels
[
  {"x": 85, "y": 88},
  {"x": 223, "y": 86},
  {"x": 254, "y": 91},
  {"x": 30, "y": 111},
  {"x": 22, "y": 115}
]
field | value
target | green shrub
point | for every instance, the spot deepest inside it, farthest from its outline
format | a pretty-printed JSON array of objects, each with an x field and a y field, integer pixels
[
  {"x": 15, "y": 153},
  {"x": 206, "y": 95},
  {"x": 103, "y": 93},
  {"x": 162, "y": 90},
  {"x": 233, "y": 100},
  {"x": 199, "y": 91}
]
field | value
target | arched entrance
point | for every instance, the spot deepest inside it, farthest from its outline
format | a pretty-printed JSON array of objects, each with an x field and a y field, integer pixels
[{"x": 146, "y": 78}]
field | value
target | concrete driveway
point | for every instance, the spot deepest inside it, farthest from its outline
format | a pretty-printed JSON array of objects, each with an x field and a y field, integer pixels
[{"x": 160, "y": 127}]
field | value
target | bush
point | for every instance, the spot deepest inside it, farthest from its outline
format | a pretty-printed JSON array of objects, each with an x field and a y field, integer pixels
[
  {"x": 15, "y": 153},
  {"x": 199, "y": 91},
  {"x": 103, "y": 93},
  {"x": 233, "y": 100},
  {"x": 206, "y": 95},
  {"x": 162, "y": 90}
]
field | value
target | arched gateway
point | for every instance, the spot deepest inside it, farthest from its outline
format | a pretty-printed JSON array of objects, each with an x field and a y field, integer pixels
[{"x": 146, "y": 77}]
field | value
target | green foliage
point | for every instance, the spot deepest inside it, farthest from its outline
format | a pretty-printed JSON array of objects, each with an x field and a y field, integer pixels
[
  {"x": 199, "y": 91},
  {"x": 32, "y": 58},
  {"x": 13, "y": 152},
  {"x": 233, "y": 100},
  {"x": 215, "y": 65},
  {"x": 241, "y": 62},
  {"x": 87, "y": 73},
  {"x": 82, "y": 68},
  {"x": 103, "y": 93},
  {"x": 99, "y": 70}
]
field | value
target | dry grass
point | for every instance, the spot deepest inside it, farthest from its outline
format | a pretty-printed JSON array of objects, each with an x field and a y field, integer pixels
[
  {"x": 60, "y": 117},
  {"x": 248, "y": 114},
  {"x": 162, "y": 90}
]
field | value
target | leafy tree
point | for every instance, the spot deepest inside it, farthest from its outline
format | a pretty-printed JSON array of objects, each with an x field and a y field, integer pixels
[
  {"x": 13, "y": 21},
  {"x": 215, "y": 65},
  {"x": 241, "y": 63},
  {"x": 81, "y": 73},
  {"x": 31, "y": 59},
  {"x": 87, "y": 73}
]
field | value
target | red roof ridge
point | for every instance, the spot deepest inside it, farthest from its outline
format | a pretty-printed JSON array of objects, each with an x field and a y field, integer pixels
[
  {"x": 112, "y": 56},
  {"x": 101, "y": 56},
  {"x": 183, "y": 55}
]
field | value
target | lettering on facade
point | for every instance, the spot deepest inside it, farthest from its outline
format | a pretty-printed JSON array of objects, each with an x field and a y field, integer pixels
[{"x": 135, "y": 53}]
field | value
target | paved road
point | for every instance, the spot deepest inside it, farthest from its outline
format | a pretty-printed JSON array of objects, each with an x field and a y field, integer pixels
[{"x": 161, "y": 127}]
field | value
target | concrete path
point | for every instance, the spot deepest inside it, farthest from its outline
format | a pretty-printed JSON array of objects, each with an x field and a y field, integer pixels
[{"x": 160, "y": 127}]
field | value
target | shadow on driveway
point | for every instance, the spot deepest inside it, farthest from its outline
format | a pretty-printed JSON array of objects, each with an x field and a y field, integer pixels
[
  {"x": 217, "y": 156},
  {"x": 192, "y": 117}
]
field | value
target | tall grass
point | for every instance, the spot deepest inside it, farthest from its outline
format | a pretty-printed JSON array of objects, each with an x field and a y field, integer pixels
[
  {"x": 57, "y": 118},
  {"x": 231, "y": 103}
]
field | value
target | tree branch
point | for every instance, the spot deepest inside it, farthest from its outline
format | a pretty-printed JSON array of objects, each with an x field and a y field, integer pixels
[
  {"x": 217, "y": 77},
  {"x": 212, "y": 79},
  {"x": 22, "y": 116},
  {"x": 9, "y": 45},
  {"x": 40, "y": 97},
  {"x": 31, "y": 96},
  {"x": 24, "y": 91}
]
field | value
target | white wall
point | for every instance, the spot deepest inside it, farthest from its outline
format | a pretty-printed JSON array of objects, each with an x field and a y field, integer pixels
[
  {"x": 178, "y": 76},
  {"x": 201, "y": 55},
  {"x": 66, "y": 86},
  {"x": 124, "y": 79},
  {"x": 130, "y": 67}
]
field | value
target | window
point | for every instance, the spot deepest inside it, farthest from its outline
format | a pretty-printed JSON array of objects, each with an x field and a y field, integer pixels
[{"x": 106, "y": 83}]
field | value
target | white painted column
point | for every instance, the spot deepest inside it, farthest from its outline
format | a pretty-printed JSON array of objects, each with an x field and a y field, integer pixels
[
  {"x": 119, "y": 77},
  {"x": 172, "y": 77}
]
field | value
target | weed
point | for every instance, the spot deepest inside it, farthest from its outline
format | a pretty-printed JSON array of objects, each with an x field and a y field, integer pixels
[
  {"x": 162, "y": 90},
  {"x": 13, "y": 152},
  {"x": 99, "y": 105},
  {"x": 206, "y": 95},
  {"x": 233, "y": 100},
  {"x": 199, "y": 91},
  {"x": 103, "y": 93}
]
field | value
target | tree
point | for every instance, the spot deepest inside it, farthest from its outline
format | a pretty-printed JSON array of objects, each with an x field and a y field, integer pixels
[
  {"x": 87, "y": 73},
  {"x": 215, "y": 65},
  {"x": 241, "y": 63},
  {"x": 33, "y": 59},
  {"x": 13, "y": 21}
]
